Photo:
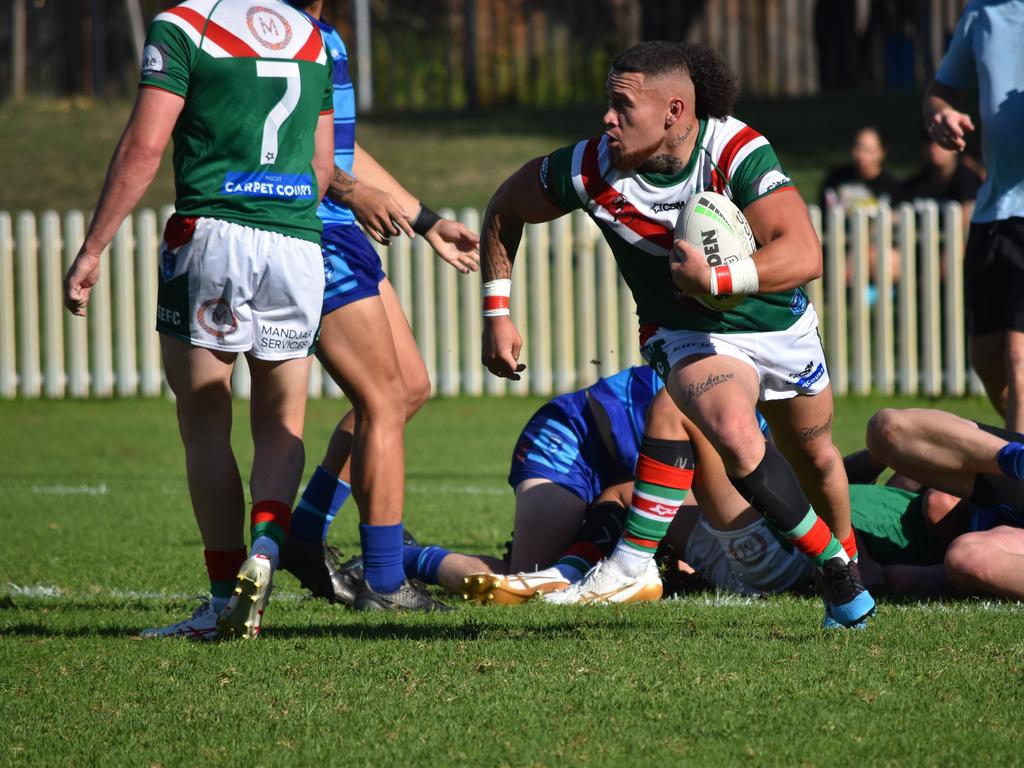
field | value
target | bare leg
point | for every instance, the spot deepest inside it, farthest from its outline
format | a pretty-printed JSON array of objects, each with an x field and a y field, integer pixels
[
  {"x": 988, "y": 352},
  {"x": 934, "y": 447},
  {"x": 201, "y": 382},
  {"x": 412, "y": 369},
  {"x": 1015, "y": 381},
  {"x": 547, "y": 520},
  {"x": 455, "y": 566},
  {"x": 357, "y": 350},
  {"x": 802, "y": 428},
  {"x": 277, "y": 411},
  {"x": 988, "y": 562}
]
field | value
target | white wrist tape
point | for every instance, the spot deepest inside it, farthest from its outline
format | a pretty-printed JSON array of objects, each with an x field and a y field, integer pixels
[
  {"x": 738, "y": 277},
  {"x": 496, "y": 295}
]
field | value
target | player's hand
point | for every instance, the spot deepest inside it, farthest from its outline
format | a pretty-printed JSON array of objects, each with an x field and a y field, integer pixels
[
  {"x": 379, "y": 213},
  {"x": 501, "y": 346},
  {"x": 690, "y": 271},
  {"x": 948, "y": 127},
  {"x": 82, "y": 275},
  {"x": 455, "y": 243}
]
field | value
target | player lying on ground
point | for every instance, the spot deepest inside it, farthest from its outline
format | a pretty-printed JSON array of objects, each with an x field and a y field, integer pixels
[
  {"x": 976, "y": 525},
  {"x": 669, "y": 135},
  {"x": 367, "y": 347}
]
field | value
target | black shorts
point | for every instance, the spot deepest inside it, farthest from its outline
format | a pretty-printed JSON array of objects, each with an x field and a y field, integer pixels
[
  {"x": 994, "y": 277},
  {"x": 998, "y": 490}
]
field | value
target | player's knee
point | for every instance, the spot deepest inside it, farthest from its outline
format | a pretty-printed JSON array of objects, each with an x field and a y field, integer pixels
[
  {"x": 968, "y": 566},
  {"x": 883, "y": 432},
  {"x": 740, "y": 444},
  {"x": 417, "y": 392}
]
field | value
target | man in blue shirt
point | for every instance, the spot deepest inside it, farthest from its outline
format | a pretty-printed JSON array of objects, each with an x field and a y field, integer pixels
[
  {"x": 985, "y": 50},
  {"x": 368, "y": 348}
]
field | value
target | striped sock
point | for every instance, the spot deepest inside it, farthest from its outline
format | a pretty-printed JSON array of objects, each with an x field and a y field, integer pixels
[
  {"x": 850, "y": 545},
  {"x": 222, "y": 568},
  {"x": 812, "y": 537},
  {"x": 578, "y": 559},
  {"x": 270, "y": 523},
  {"x": 601, "y": 530},
  {"x": 382, "y": 556},
  {"x": 320, "y": 502},
  {"x": 422, "y": 563},
  {"x": 664, "y": 473}
]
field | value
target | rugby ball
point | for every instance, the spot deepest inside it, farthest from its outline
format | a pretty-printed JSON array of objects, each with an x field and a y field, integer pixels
[{"x": 713, "y": 224}]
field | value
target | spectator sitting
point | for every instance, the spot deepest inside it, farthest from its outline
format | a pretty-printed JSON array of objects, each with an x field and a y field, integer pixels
[
  {"x": 944, "y": 177},
  {"x": 865, "y": 182}
]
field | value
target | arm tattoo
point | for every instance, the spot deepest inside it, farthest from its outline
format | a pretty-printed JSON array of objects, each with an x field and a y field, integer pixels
[
  {"x": 499, "y": 241},
  {"x": 694, "y": 391},
  {"x": 811, "y": 433},
  {"x": 342, "y": 185}
]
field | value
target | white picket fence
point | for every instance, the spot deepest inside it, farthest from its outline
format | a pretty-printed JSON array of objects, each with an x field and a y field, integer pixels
[{"x": 572, "y": 307}]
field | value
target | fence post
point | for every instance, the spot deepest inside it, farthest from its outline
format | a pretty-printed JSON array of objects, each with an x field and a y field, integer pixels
[
  {"x": 54, "y": 379},
  {"x": 126, "y": 376},
  {"x": 76, "y": 330},
  {"x": 448, "y": 324},
  {"x": 241, "y": 379},
  {"x": 471, "y": 320},
  {"x": 835, "y": 287},
  {"x": 860, "y": 326},
  {"x": 953, "y": 298},
  {"x": 147, "y": 255},
  {"x": 520, "y": 312},
  {"x": 931, "y": 311},
  {"x": 629, "y": 337},
  {"x": 907, "y": 366},
  {"x": 28, "y": 304},
  {"x": 563, "y": 311},
  {"x": 815, "y": 289},
  {"x": 586, "y": 311},
  {"x": 424, "y": 314},
  {"x": 607, "y": 310},
  {"x": 884, "y": 375},
  {"x": 540, "y": 308},
  {"x": 8, "y": 347}
]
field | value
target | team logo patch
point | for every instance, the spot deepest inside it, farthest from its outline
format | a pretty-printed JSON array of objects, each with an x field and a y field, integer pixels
[
  {"x": 270, "y": 28},
  {"x": 216, "y": 318},
  {"x": 809, "y": 375},
  {"x": 750, "y": 550},
  {"x": 770, "y": 180},
  {"x": 799, "y": 303},
  {"x": 152, "y": 60}
]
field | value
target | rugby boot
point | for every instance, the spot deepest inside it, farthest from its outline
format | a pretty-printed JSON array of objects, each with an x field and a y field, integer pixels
[
  {"x": 847, "y": 601},
  {"x": 411, "y": 596},
  {"x": 317, "y": 567},
  {"x": 606, "y": 583},
  {"x": 511, "y": 589},
  {"x": 244, "y": 612},
  {"x": 201, "y": 625}
]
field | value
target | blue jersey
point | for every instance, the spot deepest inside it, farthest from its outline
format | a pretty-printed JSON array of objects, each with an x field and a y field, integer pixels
[
  {"x": 330, "y": 212},
  {"x": 625, "y": 398}
]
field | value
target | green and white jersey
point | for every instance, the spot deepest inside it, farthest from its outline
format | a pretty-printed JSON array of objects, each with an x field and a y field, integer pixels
[
  {"x": 255, "y": 79},
  {"x": 890, "y": 523},
  {"x": 637, "y": 214}
]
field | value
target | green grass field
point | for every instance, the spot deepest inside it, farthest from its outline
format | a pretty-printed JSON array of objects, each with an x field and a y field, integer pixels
[{"x": 99, "y": 542}]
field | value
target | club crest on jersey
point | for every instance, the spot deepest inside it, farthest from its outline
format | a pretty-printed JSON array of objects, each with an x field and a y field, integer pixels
[
  {"x": 619, "y": 209},
  {"x": 750, "y": 550},
  {"x": 270, "y": 28},
  {"x": 216, "y": 318}
]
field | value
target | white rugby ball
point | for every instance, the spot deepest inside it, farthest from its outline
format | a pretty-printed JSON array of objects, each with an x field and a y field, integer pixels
[{"x": 718, "y": 228}]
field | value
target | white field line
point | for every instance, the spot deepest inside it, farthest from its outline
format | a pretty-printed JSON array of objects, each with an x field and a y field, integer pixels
[
  {"x": 470, "y": 490},
  {"x": 708, "y": 600},
  {"x": 70, "y": 490}
]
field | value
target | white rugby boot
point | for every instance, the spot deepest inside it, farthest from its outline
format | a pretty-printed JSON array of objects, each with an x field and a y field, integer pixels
[
  {"x": 607, "y": 583},
  {"x": 201, "y": 625},
  {"x": 511, "y": 589},
  {"x": 244, "y": 612}
]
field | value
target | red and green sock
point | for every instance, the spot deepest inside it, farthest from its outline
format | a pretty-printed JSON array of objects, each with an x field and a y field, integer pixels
[
  {"x": 222, "y": 568},
  {"x": 270, "y": 522},
  {"x": 664, "y": 474}
]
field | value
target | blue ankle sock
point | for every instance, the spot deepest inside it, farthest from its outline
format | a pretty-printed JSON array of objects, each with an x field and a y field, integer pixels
[
  {"x": 571, "y": 573},
  {"x": 1011, "y": 460},
  {"x": 382, "y": 556},
  {"x": 320, "y": 502},
  {"x": 422, "y": 562}
]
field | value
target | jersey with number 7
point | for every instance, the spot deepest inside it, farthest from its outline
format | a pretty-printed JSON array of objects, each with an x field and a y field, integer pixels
[{"x": 255, "y": 79}]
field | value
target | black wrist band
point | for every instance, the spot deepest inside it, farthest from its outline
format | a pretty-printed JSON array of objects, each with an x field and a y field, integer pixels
[{"x": 425, "y": 219}]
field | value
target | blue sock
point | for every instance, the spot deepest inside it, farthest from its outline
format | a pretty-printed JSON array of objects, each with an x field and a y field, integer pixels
[
  {"x": 382, "y": 556},
  {"x": 571, "y": 572},
  {"x": 320, "y": 502},
  {"x": 1011, "y": 460},
  {"x": 422, "y": 562}
]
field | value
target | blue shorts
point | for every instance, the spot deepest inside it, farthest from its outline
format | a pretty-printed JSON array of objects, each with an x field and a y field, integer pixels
[
  {"x": 352, "y": 269},
  {"x": 561, "y": 444}
]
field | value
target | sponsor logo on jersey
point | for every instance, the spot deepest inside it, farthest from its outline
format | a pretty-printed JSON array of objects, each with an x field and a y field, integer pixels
[
  {"x": 809, "y": 375},
  {"x": 545, "y": 165},
  {"x": 153, "y": 60},
  {"x": 216, "y": 318},
  {"x": 276, "y": 337},
  {"x": 661, "y": 207},
  {"x": 270, "y": 28},
  {"x": 289, "y": 186},
  {"x": 798, "y": 305},
  {"x": 749, "y": 550},
  {"x": 770, "y": 180}
]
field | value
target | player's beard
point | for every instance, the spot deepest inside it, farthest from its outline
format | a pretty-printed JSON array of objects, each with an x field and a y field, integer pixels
[{"x": 630, "y": 161}]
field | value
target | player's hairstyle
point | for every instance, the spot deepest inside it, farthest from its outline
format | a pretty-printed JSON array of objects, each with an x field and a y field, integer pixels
[
  {"x": 870, "y": 127},
  {"x": 715, "y": 85}
]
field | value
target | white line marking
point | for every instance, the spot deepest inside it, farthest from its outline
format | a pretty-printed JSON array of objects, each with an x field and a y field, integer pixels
[
  {"x": 472, "y": 490},
  {"x": 71, "y": 490}
]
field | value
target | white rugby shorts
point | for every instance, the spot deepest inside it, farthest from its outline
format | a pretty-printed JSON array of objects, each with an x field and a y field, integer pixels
[
  {"x": 788, "y": 363},
  {"x": 234, "y": 288},
  {"x": 748, "y": 561}
]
